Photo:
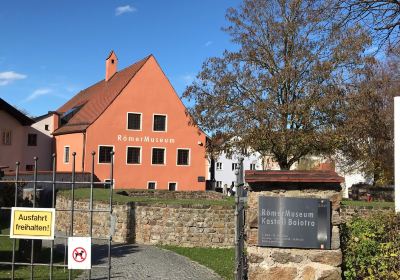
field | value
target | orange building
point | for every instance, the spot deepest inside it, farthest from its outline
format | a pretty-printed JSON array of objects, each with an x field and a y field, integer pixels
[{"x": 136, "y": 113}]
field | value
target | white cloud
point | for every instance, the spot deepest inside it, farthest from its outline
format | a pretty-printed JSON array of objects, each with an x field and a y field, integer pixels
[
  {"x": 10, "y": 76},
  {"x": 208, "y": 43},
  {"x": 37, "y": 93},
  {"x": 124, "y": 9}
]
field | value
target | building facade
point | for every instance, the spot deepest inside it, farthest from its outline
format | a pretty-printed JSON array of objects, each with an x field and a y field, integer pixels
[
  {"x": 23, "y": 138},
  {"x": 137, "y": 114}
]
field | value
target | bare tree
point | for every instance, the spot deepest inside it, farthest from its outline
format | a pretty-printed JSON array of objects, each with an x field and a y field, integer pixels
[
  {"x": 280, "y": 92},
  {"x": 382, "y": 17},
  {"x": 368, "y": 130}
]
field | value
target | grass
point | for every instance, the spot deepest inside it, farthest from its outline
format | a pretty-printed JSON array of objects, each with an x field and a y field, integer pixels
[
  {"x": 222, "y": 261},
  {"x": 103, "y": 195},
  {"x": 366, "y": 203},
  {"x": 24, "y": 272}
]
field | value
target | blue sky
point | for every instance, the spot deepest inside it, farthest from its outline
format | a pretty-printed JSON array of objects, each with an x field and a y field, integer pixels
[{"x": 50, "y": 50}]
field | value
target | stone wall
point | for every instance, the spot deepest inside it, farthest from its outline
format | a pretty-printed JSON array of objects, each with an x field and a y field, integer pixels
[
  {"x": 101, "y": 220},
  {"x": 293, "y": 264},
  {"x": 349, "y": 212},
  {"x": 184, "y": 225},
  {"x": 197, "y": 225},
  {"x": 166, "y": 194}
]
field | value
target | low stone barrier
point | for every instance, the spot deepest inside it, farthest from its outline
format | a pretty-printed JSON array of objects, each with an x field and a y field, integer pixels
[
  {"x": 184, "y": 225},
  {"x": 166, "y": 194},
  {"x": 349, "y": 212}
]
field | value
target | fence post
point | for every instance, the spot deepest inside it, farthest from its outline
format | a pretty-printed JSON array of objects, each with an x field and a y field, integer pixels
[{"x": 239, "y": 223}]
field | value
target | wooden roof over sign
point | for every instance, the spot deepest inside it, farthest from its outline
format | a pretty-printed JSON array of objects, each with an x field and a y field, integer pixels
[{"x": 292, "y": 176}]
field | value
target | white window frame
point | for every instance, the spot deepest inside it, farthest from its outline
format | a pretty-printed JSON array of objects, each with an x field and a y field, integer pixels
[
  {"x": 218, "y": 185},
  {"x": 165, "y": 156},
  {"x": 126, "y": 155},
  {"x": 176, "y": 185},
  {"x": 236, "y": 165},
  {"x": 166, "y": 123},
  {"x": 189, "y": 156},
  {"x": 69, "y": 155},
  {"x": 141, "y": 121},
  {"x": 98, "y": 153},
  {"x": 155, "y": 184},
  {"x": 255, "y": 166},
  {"x": 216, "y": 166}
]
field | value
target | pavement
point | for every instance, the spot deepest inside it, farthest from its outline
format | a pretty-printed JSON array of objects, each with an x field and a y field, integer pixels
[{"x": 142, "y": 262}]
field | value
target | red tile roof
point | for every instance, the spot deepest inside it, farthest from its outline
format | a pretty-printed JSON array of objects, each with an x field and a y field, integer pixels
[{"x": 94, "y": 100}]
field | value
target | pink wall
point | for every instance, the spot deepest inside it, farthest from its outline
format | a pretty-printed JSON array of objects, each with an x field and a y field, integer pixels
[{"x": 19, "y": 149}]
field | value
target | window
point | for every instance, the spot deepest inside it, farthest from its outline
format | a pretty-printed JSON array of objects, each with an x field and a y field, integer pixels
[
  {"x": 46, "y": 127},
  {"x": 158, "y": 156},
  {"x": 135, "y": 121},
  {"x": 133, "y": 155},
  {"x": 159, "y": 123},
  {"x": 66, "y": 154},
  {"x": 219, "y": 184},
  {"x": 32, "y": 139},
  {"x": 6, "y": 137},
  {"x": 235, "y": 166},
  {"x": 252, "y": 166},
  {"x": 105, "y": 154},
  {"x": 151, "y": 185},
  {"x": 183, "y": 157},
  {"x": 29, "y": 167},
  {"x": 219, "y": 165},
  {"x": 172, "y": 186}
]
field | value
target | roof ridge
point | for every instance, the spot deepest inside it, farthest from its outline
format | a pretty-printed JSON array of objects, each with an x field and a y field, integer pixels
[{"x": 99, "y": 96}]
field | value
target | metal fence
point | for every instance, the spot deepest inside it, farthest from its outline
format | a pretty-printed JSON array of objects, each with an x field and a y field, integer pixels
[{"x": 33, "y": 263}]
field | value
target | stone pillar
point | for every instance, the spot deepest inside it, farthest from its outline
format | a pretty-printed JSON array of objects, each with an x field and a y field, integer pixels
[{"x": 291, "y": 263}]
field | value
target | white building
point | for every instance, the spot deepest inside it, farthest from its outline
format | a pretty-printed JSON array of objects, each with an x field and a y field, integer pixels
[{"x": 225, "y": 166}]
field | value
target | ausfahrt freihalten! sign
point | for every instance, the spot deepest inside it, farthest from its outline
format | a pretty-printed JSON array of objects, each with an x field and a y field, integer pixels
[
  {"x": 32, "y": 223},
  {"x": 294, "y": 222}
]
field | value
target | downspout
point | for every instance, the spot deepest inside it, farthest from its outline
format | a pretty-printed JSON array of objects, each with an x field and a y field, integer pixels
[{"x": 83, "y": 152}]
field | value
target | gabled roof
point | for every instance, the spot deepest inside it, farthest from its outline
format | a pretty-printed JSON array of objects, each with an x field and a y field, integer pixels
[
  {"x": 19, "y": 116},
  {"x": 85, "y": 107}
]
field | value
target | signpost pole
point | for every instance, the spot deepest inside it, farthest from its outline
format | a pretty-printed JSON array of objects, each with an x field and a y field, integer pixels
[
  {"x": 397, "y": 153},
  {"x": 239, "y": 223}
]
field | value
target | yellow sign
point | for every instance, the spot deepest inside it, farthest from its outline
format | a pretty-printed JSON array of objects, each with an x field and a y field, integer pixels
[{"x": 32, "y": 223}]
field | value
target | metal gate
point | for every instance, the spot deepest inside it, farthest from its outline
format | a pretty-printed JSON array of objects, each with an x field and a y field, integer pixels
[
  {"x": 240, "y": 256},
  {"x": 33, "y": 263}
]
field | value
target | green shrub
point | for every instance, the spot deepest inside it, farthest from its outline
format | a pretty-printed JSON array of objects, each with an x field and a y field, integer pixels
[{"x": 371, "y": 247}]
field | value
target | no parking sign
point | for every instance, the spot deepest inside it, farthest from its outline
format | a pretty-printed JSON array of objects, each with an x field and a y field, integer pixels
[{"x": 79, "y": 253}]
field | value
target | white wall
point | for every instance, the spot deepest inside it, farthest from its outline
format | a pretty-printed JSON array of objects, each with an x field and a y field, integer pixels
[{"x": 227, "y": 175}]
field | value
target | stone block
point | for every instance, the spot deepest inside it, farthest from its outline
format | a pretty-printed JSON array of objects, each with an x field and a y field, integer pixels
[
  {"x": 328, "y": 257},
  {"x": 286, "y": 257},
  {"x": 335, "y": 238},
  {"x": 308, "y": 273},
  {"x": 331, "y": 274}
]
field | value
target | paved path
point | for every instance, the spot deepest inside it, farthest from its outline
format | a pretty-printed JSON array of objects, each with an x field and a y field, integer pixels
[{"x": 140, "y": 262}]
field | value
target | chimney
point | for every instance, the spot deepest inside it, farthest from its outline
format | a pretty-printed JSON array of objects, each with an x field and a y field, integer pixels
[{"x": 111, "y": 65}]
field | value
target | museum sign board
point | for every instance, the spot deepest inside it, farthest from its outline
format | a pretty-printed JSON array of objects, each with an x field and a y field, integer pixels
[{"x": 290, "y": 222}]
